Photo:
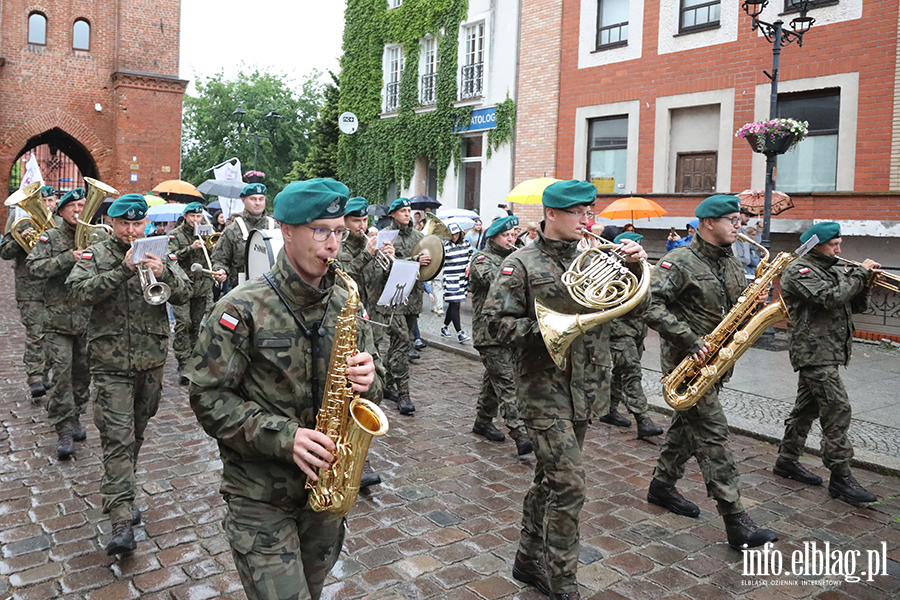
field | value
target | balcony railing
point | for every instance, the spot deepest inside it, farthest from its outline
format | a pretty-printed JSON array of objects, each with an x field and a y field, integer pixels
[
  {"x": 611, "y": 36},
  {"x": 472, "y": 81},
  {"x": 429, "y": 84},
  {"x": 392, "y": 96}
]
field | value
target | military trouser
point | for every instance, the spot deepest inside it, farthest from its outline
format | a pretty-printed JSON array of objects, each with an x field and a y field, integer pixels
[
  {"x": 626, "y": 385},
  {"x": 552, "y": 506},
  {"x": 123, "y": 405},
  {"x": 67, "y": 399},
  {"x": 820, "y": 394},
  {"x": 498, "y": 388},
  {"x": 702, "y": 432},
  {"x": 282, "y": 553},
  {"x": 187, "y": 326},
  {"x": 400, "y": 332},
  {"x": 32, "y": 314}
]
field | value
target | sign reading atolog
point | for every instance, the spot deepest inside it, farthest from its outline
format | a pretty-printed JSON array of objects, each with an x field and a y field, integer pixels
[{"x": 482, "y": 119}]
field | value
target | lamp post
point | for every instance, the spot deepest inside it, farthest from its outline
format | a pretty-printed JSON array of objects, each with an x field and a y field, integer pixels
[
  {"x": 240, "y": 113},
  {"x": 778, "y": 36}
]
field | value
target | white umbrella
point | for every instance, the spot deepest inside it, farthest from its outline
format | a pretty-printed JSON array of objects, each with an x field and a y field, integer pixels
[
  {"x": 464, "y": 223},
  {"x": 449, "y": 213}
]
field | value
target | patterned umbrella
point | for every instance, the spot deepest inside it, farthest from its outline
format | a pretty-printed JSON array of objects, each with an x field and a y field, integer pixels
[{"x": 755, "y": 200}]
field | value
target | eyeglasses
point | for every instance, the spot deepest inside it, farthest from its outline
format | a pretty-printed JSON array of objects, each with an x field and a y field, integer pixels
[
  {"x": 321, "y": 234},
  {"x": 577, "y": 213},
  {"x": 735, "y": 221}
]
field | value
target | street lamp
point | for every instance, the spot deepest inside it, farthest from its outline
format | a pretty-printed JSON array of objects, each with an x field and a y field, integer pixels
[
  {"x": 240, "y": 113},
  {"x": 779, "y": 37}
]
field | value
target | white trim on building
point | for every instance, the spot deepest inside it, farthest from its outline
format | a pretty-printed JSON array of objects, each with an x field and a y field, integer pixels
[
  {"x": 589, "y": 56},
  {"x": 583, "y": 117}
]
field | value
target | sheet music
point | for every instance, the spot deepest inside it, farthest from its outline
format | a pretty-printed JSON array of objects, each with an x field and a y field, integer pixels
[
  {"x": 156, "y": 245},
  {"x": 386, "y": 235},
  {"x": 203, "y": 229},
  {"x": 400, "y": 283}
]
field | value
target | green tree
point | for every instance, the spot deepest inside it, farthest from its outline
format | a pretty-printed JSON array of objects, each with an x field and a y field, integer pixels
[
  {"x": 211, "y": 132},
  {"x": 322, "y": 158}
]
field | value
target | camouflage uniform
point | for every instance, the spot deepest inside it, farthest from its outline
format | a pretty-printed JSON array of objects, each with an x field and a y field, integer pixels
[
  {"x": 230, "y": 252},
  {"x": 821, "y": 299},
  {"x": 692, "y": 288},
  {"x": 189, "y": 314},
  {"x": 626, "y": 340},
  {"x": 402, "y": 319},
  {"x": 127, "y": 345},
  {"x": 251, "y": 390},
  {"x": 30, "y": 300},
  {"x": 498, "y": 384},
  {"x": 64, "y": 325},
  {"x": 555, "y": 404}
]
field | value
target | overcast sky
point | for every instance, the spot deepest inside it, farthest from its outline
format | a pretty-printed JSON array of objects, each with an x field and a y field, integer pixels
[{"x": 283, "y": 36}]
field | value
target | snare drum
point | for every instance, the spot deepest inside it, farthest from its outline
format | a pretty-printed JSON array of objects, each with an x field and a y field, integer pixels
[{"x": 263, "y": 247}]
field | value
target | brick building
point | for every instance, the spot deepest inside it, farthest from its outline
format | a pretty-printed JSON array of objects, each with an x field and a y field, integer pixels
[
  {"x": 644, "y": 97},
  {"x": 96, "y": 82}
]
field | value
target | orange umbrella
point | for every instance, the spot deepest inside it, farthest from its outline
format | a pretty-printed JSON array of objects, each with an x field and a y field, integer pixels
[
  {"x": 633, "y": 208},
  {"x": 177, "y": 186},
  {"x": 755, "y": 200}
]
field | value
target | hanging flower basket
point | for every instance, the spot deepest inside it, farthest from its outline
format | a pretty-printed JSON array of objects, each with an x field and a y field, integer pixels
[
  {"x": 254, "y": 176},
  {"x": 776, "y": 136}
]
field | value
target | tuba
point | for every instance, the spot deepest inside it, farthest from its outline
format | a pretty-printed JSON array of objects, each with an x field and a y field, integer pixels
[
  {"x": 95, "y": 193},
  {"x": 595, "y": 279},
  {"x": 350, "y": 421},
  {"x": 741, "y": 327},
  {"x": 29, "y": 199}
]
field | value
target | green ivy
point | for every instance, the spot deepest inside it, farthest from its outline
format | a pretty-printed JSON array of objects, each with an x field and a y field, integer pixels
[
  {"x": 505, "y": 125},
  {"x": 384, "y": 151}
]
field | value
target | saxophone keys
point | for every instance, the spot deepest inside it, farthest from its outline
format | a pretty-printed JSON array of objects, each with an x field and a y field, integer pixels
[
  {"x": 741, "y": 336},
  {"x": 709, "y": 370},
  {"x": 726, "y": 353}
]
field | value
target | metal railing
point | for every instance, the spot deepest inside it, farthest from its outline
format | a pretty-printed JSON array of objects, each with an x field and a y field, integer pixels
[
  {"x": 429, "y": 85},
  {"x": 392, "y": 96},
  {"x": 472, "y": 81}
]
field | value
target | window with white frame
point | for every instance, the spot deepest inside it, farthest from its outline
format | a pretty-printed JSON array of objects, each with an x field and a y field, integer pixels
[
  {"x": 473, "y": 61},
  {"x": 811, "y": 166},
  {"x": 607, "y": 164},
  {"x": 612, "y": 24},
  {"x": 393, "y": 73},
  {"x": 697, "y": 15},
  {"x": 394, "y": 3},
  {"x": 428, "y": 83}
]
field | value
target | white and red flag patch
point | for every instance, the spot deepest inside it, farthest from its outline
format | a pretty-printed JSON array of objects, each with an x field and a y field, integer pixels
[
  {"x": 173, "y": 257},
  {"x": 804, "y": 270},
  {"x": 228, "y": 322},
  {"x": 44, "y": 238},
  {"x": 86, "y": 255},
  {"x": 665, "y": 264},
  {"x": 508, "y": 270}
]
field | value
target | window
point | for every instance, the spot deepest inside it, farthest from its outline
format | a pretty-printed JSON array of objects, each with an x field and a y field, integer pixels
[
  {"x": 37, "y": 29},
  {"x": 81, "y": 35},
  {"x": 429, "y": 72},
  {"x": 473, "y": 63},
  {"x": 470, "y": 173},
  {"x": 612, "y": 23},
  {"x": 394, "y": 3},
  {"x": 608, "y": 154},
  {"x": 394, "y": 74},
  {"x": 697, "y": 15},
  {"x": 792, "y": 6},
  {"x": 812, "y": 164}
]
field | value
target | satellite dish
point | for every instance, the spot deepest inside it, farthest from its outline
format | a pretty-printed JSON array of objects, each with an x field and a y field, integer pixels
[{"x": 348, "y": 123}]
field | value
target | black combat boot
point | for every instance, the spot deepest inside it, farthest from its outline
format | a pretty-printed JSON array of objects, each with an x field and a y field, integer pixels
[
  {"x": 369, "y": 476},
  {"x": 47, "y": 383},
  {"x": 414, "y": 354},
  {"x": 662, "y": 494},
  {"x": 566, "y": 596},
  {"x": 390, "y": 393},
  {"x": 405, "y": 405},
  {"x": 37, "y": 390},
  {"x": 122, "y": 539},
  {"x": 489, "y": 431},
  {"x": 792, "y": 469},
  {"x": 523, "y": 442},
  {"x": 65, "y": 447},
  {"x": 135, "y": 516},
  {"x": 742, "y": 532},
  {"x": 846, "y": 488},
  {"x": 614, "y": 418},
  {"x": 181, "y": 378},
  {"x": 530, "y": 570},
  {"x": 646, "y": 427},
  {"x": 78, "y": 432}
]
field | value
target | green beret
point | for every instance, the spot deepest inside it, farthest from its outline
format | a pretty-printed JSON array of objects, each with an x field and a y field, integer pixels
[
  {"x": 718, "y": 206},
  {"x": 629, "y": 235},
  {"x": 564, "y": 194},
  {"x": 357, "y": 207},
  {"x": 501, "y": 225},
  {"x": 131, "y": 207},
  {"x": 193, "y": 207},
  {"x": 253, "y": 189},
  {"x": 827, "y": 231},
  {"x": 304, "y": 201},
  {"x": 48, "y": 190},
  {"x": 71, "y": 196},
  {"x": 397, "y": 204}
]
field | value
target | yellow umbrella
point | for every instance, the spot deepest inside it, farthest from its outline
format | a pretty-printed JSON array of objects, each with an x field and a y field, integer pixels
[
  {"x": 153, "y": 200},
  {"x": 633, "y": 208},
  {"x": 530, "y": 191}
]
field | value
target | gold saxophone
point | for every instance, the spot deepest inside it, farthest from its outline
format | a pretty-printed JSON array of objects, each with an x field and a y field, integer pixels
[
  {"x": 350, "y": 421},
  {"x": 741, "y": 327}
]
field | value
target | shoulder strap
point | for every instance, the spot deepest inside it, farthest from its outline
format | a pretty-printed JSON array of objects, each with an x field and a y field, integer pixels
[
  {"x": 243, "y": 226},
  {"x": 270, "y": 223}
]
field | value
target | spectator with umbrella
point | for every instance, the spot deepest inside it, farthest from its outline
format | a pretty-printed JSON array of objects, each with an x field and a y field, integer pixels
[{"x": 457, "y": 252}]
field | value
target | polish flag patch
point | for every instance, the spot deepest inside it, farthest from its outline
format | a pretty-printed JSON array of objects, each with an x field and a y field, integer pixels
[
  {"x": 44, "y": 238},
  {"x": 171, "y": 237},
  {"x": 228, "y": 322},
  {"x": 804, "y": 270},
  {"x": 86, "y": 255},
  {"x": 665, "y": 264},
  {"x": 173, "y": 257},
  {"x": 480, "y": 257}
]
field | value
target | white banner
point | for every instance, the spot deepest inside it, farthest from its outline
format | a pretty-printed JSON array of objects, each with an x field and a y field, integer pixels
[{"x": 229, "y": 172}]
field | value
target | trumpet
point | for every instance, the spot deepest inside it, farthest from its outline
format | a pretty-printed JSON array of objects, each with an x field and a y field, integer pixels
[
  {"x": 155, "y": 292},
  {"x": 883, "y": 280}
]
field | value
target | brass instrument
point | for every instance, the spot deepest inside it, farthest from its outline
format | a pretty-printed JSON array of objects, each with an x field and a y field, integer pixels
[
  {"x": 29, "y": 199},
  {"x": 155, "y": 292},
  {"x": 87, "y": 234},
  {"x": 595, "y": 279},
  {"x": 883, "y": 280},
  {"x": 432, "y": 244},
  {"x": 741, "y": 327},
  {"x": 350, "y": 421}
]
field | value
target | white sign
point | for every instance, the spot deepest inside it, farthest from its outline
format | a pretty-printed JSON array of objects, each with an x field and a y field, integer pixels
[
  {"x": 400, "y": 283},
  {"x": 348, "y": 123},
  {"x": 133, "y": 177}
]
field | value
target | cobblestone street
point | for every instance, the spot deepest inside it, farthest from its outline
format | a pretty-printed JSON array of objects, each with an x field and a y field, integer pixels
[{"x": 444, "y": 523}]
